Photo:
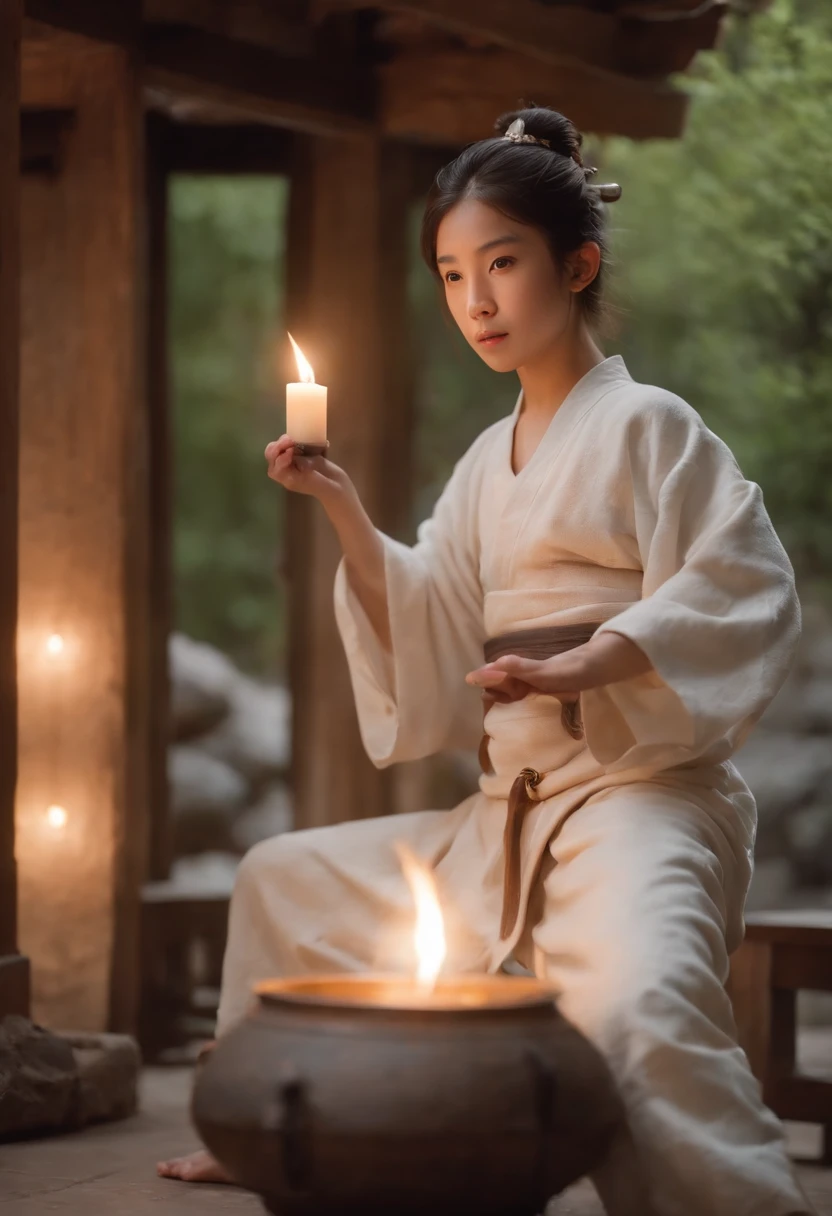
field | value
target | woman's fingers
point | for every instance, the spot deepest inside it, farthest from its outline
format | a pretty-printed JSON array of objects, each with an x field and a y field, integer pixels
[
  {"x": 277, "y": 446},
  {"x": 512, "y": 677}
]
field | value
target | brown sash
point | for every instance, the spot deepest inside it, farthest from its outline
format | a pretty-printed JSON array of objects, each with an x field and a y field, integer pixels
[{"x": 540, "y": 643}]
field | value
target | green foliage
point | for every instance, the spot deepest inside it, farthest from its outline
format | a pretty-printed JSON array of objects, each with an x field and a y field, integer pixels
[
  {"x": 225, "y": 274},
  {"x": 722, "y": 291},
  {"x": 724, "y": 276}
]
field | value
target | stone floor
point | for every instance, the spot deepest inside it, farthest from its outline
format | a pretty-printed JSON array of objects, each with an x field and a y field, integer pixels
[{"x": 108, "y": 1170}]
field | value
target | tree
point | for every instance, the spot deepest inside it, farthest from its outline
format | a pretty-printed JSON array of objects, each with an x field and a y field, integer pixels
[
  {"x": 724, "y": 283},
  {"x": 226, "y": 263}
]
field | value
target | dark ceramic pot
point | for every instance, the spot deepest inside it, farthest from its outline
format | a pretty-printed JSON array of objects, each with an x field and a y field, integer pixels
[{"x": 349, "y": 1096}]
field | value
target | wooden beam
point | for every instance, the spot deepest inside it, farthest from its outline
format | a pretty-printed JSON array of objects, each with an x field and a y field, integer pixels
[
  {"x": 454, "y": 97},
  {"x": 323, "y": 96},
  {"x": 334, "y": 306},
  {"x": 567, "y": 34},
  {"x": 101, "y": 20},
  {"x": 255, "y": 21},
  {"x": 228, "y": 149},
  {"x": 83, "y": 735},
  {"x": 14, "y": 975},
  {"x": 43, "y": 136}
]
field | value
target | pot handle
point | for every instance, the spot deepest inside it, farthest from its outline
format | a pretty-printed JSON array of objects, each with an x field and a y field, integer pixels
[{"x": 287, "y": 1113}]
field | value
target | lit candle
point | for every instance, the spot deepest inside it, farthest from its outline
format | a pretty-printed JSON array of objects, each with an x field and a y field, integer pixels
[{"x": 306, "y": 409}]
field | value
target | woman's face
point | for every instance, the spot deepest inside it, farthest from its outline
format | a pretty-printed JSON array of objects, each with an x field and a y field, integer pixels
[{"x": 501, "y": 278}]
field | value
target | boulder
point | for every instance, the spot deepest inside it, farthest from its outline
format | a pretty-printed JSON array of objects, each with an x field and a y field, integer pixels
[
  {"x": 784, "y": 771},
  {"x": 209, "y": 874},
  {"x": 60, "y": 1082},
  {"x": 809, "y": 836},
  {"x": 38, "y": 1079},
  {"x": 255, "y": 736},
  {"x": 108, "y": 1075},
  {"x": 201, "y": 683},
  {"x": 271, "y": 815},
  {"x": 205, "y": 796},
  {"x": 771, "y": 884}
]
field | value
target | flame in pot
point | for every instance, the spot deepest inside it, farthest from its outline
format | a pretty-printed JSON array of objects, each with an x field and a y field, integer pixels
[{"x": 429, "y": 935}]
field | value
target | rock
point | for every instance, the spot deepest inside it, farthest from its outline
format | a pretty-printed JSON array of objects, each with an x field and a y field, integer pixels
[
  {"x": 208, "y": 874},
  {"x": 770, "y": 884},
  {"x": 803, "y": 706},
  {"x": 255, "y": 737},
  {"x": 784, "y": 771},
  {"x": 108, "y": 1068},
  {"x": 205, "y": 795},
  {"x": 809, "y": 834},
  {"x": 202, "y": 680},
  {"x": 816, "y": 706},
  {"x": 815, "y": 650},
  {"x": 38, "y": 1079},
  {"x": 60, "y": 1082},
  {"x": 201, "y": 782},
  {"x": 785, "y": 712},
  {"x": 271, "y": 815}
]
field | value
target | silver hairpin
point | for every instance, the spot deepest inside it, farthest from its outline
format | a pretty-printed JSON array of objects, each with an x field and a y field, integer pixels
[{"x": 516, "y": 132}]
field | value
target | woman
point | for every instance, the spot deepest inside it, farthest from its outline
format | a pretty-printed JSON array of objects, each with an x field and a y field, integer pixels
[{"x": 638, "y": 613}]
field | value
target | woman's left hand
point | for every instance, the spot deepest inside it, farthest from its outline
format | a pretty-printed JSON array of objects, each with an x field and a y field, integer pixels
[{"x": 605, "y": 659}]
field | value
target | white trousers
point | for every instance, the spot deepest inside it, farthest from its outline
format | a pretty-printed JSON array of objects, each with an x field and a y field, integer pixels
[{"x": 627, "y": 920}]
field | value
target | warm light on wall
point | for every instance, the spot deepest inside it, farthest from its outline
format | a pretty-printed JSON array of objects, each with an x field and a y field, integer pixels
[
  {"x": 56, "y": 817},
  {"x": 55, "y": 644}
]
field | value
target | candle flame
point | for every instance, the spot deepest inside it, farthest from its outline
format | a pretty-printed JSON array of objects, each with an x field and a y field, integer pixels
[
  {"x": 54, "y": 644},
  {"x": 429, "y": 935},
  {"x": 304, "y": 367}
]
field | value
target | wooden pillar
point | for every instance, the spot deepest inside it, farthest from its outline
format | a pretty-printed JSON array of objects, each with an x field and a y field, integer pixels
[
  {"x": 160, "y": 495},
  {"x": 14, "y": 974},
  {"x": 83, "y": 545},
  {"x": 346, "y": 308}
]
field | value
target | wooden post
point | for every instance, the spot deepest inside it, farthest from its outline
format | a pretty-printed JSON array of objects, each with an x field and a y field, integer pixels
[
  {"x": 161, "y": 521},
  {"x": 14, "y": 973},
  {"x": 83, "y": 537},
  {"x": 346, "y": 307}
]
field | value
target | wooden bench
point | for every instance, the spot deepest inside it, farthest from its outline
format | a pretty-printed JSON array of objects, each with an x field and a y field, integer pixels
[
  {"x": 783, "y": 952},
  {"x": 183, "y": 936}
]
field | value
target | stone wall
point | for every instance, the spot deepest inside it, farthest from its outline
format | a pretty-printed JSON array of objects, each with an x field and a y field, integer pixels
[
  {"x": 229, "y": 758},
  {"x": 788, "y": 764}
]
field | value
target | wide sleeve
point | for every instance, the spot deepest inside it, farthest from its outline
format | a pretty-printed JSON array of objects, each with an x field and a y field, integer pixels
[
  {"x": 719, "y": 617},
  {"x": 413, "y": 701}
]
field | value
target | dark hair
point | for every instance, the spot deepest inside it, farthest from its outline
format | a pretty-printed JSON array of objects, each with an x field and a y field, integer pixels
[{"x": 545, "y": 187}]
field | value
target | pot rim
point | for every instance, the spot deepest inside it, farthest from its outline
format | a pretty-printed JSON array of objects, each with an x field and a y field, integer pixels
[{"x": 463, "y": 994}]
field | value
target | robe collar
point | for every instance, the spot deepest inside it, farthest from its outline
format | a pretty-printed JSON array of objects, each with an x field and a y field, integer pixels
[{"x": 592, "y": 388}]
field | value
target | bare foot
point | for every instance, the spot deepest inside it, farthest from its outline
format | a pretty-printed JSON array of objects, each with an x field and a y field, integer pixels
[{"x": 196, "y": 1167}]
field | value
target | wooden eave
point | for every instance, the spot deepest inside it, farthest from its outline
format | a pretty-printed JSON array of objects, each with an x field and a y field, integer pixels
[{"x": 434, "y": 71}]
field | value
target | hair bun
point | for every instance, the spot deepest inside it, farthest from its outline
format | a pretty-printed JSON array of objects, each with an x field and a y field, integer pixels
[{"x": 543, "y": 123}]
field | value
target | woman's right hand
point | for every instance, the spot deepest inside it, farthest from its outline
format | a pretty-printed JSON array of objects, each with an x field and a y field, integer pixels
[{"x": 313, "y": 475}]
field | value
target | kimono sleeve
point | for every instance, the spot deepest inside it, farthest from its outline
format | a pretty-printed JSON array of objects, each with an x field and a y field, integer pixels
[
  {"x": 719, "y": 617},
  {"x": 414, "y": 701}
]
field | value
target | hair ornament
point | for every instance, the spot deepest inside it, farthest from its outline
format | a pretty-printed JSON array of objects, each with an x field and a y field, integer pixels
[
  {"x": 610, "y": 192},
  {"x": 516, "y": 132}
]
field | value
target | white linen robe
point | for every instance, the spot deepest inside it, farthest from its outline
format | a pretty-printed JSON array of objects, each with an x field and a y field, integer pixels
[{"x": 637, "y": 857}]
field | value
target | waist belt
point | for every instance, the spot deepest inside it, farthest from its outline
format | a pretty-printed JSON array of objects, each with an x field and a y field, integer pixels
[{"x": 541, "y": 643}]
